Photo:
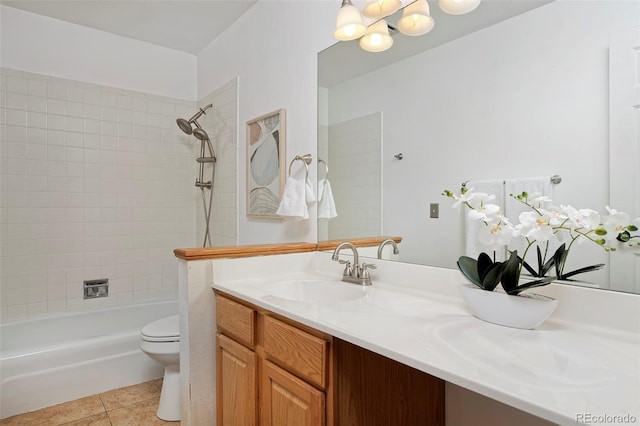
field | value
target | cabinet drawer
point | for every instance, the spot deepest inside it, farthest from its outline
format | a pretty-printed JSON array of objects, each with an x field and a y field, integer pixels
[
  {"x": 236, "y": 320},
  {"x": 300, "y": 352}
]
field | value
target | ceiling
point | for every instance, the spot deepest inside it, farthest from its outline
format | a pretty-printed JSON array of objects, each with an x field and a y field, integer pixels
[{"x": 184, "y": 25}]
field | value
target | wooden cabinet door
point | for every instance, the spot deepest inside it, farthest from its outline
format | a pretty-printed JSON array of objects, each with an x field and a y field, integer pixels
[
  {"x": 236, "y": 384},
  {"x": 286, "y": 400}
]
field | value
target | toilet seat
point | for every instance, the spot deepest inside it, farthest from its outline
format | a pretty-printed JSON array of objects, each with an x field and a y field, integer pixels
[{"x": 162, "y": 330}]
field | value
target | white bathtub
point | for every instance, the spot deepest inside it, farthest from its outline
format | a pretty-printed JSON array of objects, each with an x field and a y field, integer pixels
[{"x": 51, "y": 360}]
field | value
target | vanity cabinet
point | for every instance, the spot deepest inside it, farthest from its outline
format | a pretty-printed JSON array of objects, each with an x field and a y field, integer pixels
[{"x": 272, "y": 371}]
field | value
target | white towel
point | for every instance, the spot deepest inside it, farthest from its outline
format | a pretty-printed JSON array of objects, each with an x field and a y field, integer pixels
[
  {"x": 309, "y": 196},
  {"x": 293, "y": 204},
  {"x": 534, "y": 186},
  {"x": 326, "y": 204},
  {"x": 472, "y": 246}
]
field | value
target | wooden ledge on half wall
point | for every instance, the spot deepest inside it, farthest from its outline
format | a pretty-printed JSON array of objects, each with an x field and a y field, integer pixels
[{"x": 200, "y": 253}]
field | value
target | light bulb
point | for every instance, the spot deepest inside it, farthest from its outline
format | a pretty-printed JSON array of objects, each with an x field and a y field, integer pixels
[{"x": 458, "y": 7}]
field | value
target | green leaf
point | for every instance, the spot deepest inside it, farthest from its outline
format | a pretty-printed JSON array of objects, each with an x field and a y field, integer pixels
[
  {"x": 540, "y": 265},
  {"x": 484, "y": 265},
  {"x": 531, "y": 284},
  {"x": 492, "y": 277},
  {"x": 469, "y": 268},
  {"x": 511, "y": 272},
  {"x": 559, "y": 258},
  {"x": 582, "y": 270}
]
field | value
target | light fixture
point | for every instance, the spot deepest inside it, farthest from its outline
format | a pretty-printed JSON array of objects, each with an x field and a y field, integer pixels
[
  {"x": 377, "y": 38},
  {"x": 349, "y": 24},
  {"x": 381, "y": 8},
  {"x": 458, "y": 7},
  {"x": 416, "y": 19}
]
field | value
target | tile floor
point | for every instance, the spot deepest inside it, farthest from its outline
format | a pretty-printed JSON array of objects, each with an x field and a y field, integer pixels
[{"x": 131, "y": 406}]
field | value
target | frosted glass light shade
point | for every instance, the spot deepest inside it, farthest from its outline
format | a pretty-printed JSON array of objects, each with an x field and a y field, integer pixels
[
  {"x": 380, "y": 8},
  {"x": 458, "y": 7},
  {"x": 377, "y": 38},
  {"x": 349, "y": 24},
  {"x": 416, "y": 19}
]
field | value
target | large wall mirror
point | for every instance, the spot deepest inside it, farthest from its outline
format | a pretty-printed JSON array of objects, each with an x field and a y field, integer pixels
[{"x": 513, "y": 90}]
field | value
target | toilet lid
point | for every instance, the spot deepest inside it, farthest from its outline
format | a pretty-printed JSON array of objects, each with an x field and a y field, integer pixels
[{"x": 162, "y": 330}]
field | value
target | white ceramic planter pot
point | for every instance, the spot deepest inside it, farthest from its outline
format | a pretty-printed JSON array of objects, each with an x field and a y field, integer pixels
[{"x": 526, "y": 310}]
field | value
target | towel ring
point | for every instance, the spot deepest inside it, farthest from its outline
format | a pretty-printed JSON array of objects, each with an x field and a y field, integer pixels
[
  {"x": 326, "y": 168},
  {"x": 306, "y": 159}
]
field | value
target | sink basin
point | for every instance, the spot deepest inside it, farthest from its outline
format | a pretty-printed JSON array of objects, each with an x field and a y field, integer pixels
[{"x": 315, "y": 291}]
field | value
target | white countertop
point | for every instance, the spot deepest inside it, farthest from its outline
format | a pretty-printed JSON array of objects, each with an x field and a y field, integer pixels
[{"x": 561, "y": 369}]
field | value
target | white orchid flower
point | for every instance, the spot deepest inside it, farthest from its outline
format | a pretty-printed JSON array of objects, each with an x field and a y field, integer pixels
[
  {"x": 555, "y": 214},
  {"x": 486, "y": 212},
  {"x": 534, "y": 226},
  {"x": 585, "y": 219},
  {"x": 496, "y": 234},
  {"x": 615, "y": 223}
]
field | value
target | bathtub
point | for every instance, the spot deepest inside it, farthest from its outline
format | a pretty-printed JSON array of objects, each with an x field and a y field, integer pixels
[{"x": 50, "y": 360}]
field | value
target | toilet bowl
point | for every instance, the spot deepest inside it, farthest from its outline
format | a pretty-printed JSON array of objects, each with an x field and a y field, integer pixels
[{"x": 161, "y": 341}]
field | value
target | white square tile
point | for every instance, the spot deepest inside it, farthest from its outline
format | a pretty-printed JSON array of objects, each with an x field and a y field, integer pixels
[
  {"x": 92, "y": 141},
  {"x": 75, "y": 124},
  {"x": 15, "y": 101},
  {"x": 56, "y": 122},
  {"x": 125, "y": 102},
  {"x": 109, "y": 113},
  {"x": 16, "y": 117},
  {"x": 36, "y": 104},
  {"x": 37, "y": 88},
  {"x": 56, "y": 106},
  {"x": 15, "y": 84},
  {"x": 75, "y": 139},
  {"x": 108, "y": 99},
  {"x": 75, "y": 109},
  {"x": 94, "y": 127},
  {"x": 56, "y": 90},
  {"x": 56, "y": 137},
  {"x": 91, "y": 96},
  {"x": 109, "y": 129},
  {"x": 37, "y": 120},
  {"x": 15, "y": 133},
  {"x": 36, "y": 136},
  {"x": 75, "y": 94},
  {"x": 125, "y": 116},
  {"x": 92, "y": 111}
]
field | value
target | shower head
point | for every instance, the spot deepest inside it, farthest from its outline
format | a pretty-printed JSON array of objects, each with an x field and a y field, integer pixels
[
  {"x": 186, "y": 125},
  {"x": 200, "y": 134}
]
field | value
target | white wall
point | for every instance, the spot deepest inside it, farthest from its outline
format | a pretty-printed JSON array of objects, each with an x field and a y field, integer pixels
[
  {"x": 526, "y": 97},
  {"x": 38, "y": 44},
  {"x": 273, "y": 49}
]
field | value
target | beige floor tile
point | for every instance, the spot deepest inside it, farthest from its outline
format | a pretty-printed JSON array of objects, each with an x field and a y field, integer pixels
[
  {"x": 123, "y": 397},
  {"x": 141, "y": 414},
  {"x": 59, "y": 414},
  {"x": 97, "y": 420}
]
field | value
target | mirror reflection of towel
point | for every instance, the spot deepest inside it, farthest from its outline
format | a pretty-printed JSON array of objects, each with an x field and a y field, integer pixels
[{"x": 326, "y": 204}]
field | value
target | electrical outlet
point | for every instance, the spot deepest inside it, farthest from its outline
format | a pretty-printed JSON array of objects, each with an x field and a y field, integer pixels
[{"x": 434, "y": 210}]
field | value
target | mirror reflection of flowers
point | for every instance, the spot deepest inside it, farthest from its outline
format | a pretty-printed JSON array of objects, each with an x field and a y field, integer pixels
[{"x": 539, "y": 225}]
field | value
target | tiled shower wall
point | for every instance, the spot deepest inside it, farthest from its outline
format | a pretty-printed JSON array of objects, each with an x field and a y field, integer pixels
[
  {"x": 355, "y": 173},
  {"x": 96, "y": 182},
  {"x": 220, "y": 122}
]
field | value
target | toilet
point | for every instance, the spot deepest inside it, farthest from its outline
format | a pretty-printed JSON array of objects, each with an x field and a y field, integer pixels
[{"x": 161, "y": 341}]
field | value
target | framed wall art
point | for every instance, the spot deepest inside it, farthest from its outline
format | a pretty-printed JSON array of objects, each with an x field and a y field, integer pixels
[{"x": 265, "y": 164}]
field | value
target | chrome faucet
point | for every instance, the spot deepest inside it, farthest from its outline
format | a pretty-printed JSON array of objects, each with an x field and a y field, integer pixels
[
  {"x": 396, "y": 250},
  {"x": 356, "y": 273}
]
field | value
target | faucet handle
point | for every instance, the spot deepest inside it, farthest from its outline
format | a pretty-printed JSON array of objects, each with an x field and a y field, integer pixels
[
  {"x": 348, "y": 271},
  {"x": 366, "y": 266}
]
